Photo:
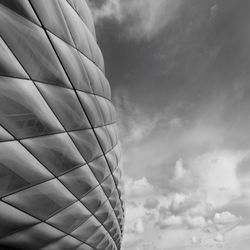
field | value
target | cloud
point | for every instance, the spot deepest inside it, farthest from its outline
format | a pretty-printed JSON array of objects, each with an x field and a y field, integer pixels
[
  {"x": 134, "y": 123},
  {"x": 219, "y": 238},
  {"x": 182, "y": 180},
  {"x": 139, "y": 19},
  {"x": 225, "y": 218},
  {"x": 139, "y": 226},
  {"x": 216, "y": 174},
  {"x": 194, "y": 209},
  {"x": 150, "y": 216},
  {"x": 193, "y": 202},
  {"x": 184, "y": 210},
  {"x": 108, "y": 9},
  {"x": 138, "y": 188},
  {"x": 179, "y": 171},
  {"x": 131, "y": 203},
  {"x": 238, "y": 238},
  {"x": 195, "y": 222},
  {"x": 195, "y": 241},
  {"x": 170, "y": 222},
  {"x": 212, "y": 174},
  {"x": 163, "y": 213},
  {"x": 178, "y": 203},
  {"x": 151, "y": 203}
]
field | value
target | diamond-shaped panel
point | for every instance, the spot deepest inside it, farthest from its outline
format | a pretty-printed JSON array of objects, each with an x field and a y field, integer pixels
[{"x": 60, "y": 185}]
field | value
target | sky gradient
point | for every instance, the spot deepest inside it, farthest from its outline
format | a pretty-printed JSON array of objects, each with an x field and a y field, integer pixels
[{"x": 179, "y": 72}]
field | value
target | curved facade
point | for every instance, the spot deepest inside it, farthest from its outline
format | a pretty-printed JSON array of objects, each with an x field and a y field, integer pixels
[{"x": 60, "y": 182}]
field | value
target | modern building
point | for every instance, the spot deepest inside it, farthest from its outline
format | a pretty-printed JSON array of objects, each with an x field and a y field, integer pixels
[{"x": 60, "y": 185}]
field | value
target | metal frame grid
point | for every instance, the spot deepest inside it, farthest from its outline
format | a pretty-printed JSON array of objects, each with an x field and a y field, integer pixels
[{"x": 104, "y": 236}]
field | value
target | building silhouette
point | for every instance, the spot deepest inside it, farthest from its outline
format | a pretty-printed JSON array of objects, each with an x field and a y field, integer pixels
[{"x": 60, "y": 181}]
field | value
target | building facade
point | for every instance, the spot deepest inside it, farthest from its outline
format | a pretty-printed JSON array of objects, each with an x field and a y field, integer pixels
[{"x": 60, "y": 181}]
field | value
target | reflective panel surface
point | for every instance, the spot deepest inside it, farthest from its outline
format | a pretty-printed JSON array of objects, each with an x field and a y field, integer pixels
[{"x": 60, "y": 182}]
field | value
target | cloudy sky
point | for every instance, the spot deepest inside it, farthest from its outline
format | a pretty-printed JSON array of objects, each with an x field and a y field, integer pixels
[{"x": 179, "y": 71}]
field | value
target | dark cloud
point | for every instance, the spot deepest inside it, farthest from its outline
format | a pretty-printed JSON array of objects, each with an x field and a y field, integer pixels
[
  {"x": 140, "y": 19},
  {"x": 163, "y": 212},
  {"x": 239, "y": 207},
  {"x": 132, "y": 204},
  {"x": 183, "y": 91},
  {"x": 192, "y": 62},
  {"x": 151, "y": 203},
  {"x": 243, "y": 169}
]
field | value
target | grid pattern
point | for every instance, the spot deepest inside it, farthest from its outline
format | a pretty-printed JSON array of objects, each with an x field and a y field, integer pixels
[{"x": 60, "y": 181}]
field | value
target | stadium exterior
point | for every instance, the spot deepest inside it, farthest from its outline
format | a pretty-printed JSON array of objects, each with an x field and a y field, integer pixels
[{"x": 60, "y": 185}]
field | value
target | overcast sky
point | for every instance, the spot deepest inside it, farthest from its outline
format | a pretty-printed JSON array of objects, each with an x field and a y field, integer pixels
[{"x": 179, "y": 72}]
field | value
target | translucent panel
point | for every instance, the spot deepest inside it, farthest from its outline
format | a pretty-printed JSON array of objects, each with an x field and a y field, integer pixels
[
  {"x": 120, "y": 215},
  {"x": 108, "y": 185},
  {"x": 97, "y": 237},
  {"x": 112, "y": 129},
  {"x": 9, "y": 66},
  {"x": 100, "y": 168},
  {"x": 117, "y": 175},
  {"x": 32, "y": 238},
  {"x": 104, "y": 243},
  {"x": 117, "y": 150},
  {"x": 120, "y": 219},
  {"x": 103, "y": 138},
  {"x": 18, "y": 168},
  {"x": 4, "y": 135},
  {"x": 21, "y": 7},
  {"x": 114, "y": 198},
  {"x": 84, "y": 247},
  {"x": 52, "y": 18},
  {"x": 23, "y": 110},
  {"x": 79, "y": 181},
  {"x": 96, "y": 55},
  {"x": 105, "y": 109},
  {"x": 42, "y": 200},
  {"x": 97, "y": 62},
  {"x": 109, "y": 245},
  {"x": 70, "y": 218},
  {"x": 57, "y": 152},
  {"x": 82, "y": 8},
  {"x": 102, "y": 213},
  {"x": 116, "y": 237},
  {"x": 12, "y": 220},
  {"x": 94, "y": 199},
  {"x": 87, "y": 144},
  {"x": 66, "y": 243},
  {"x": 99, "y": 58},
  {"x": 87, "y": 229},
  {"x": 31, "y": 46},
  {"x": 83, "y": 11},
  {"x": 65, "y": 105},
  {"x": 120, "y": 188},
  {"x": 72, "y": 63},
  {"x": 112, "y": 160},
  {"x": 112, "y": 111},
  {"x": 114, "y": 232},
  {"x": 71, "y": 2},
  {"x": 105, "y": 86},
  {"x": 91, "y": 108},
  {"x": 109, "y": 223},
  {"x": 118, "y": 209},
  {"x": 77, "y": 28},
  {"x": 93, "y": 75}
]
